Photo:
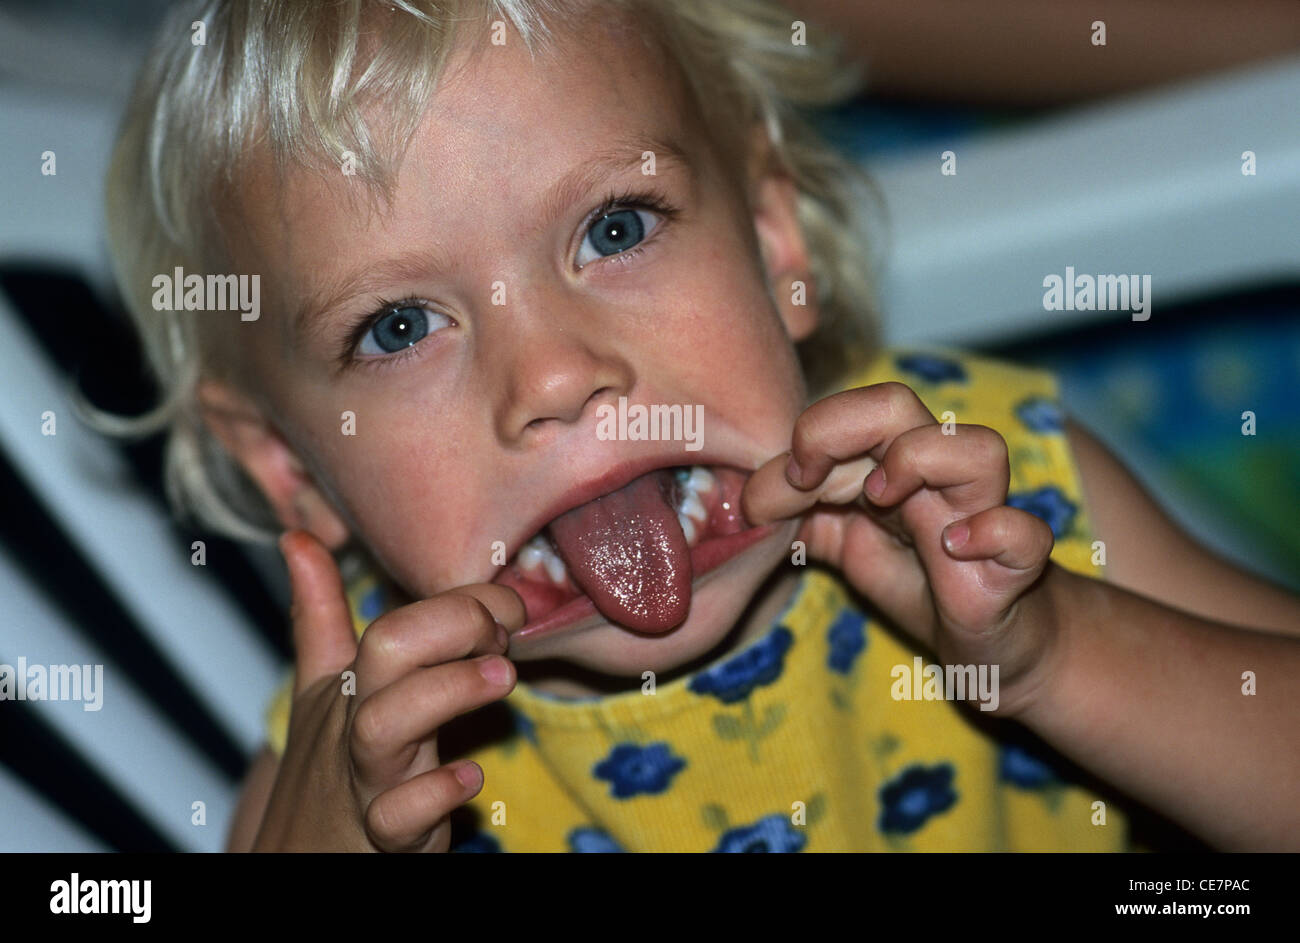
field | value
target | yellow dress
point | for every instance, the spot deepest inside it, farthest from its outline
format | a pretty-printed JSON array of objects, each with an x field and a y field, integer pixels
[{"x": 796, "y": 743}]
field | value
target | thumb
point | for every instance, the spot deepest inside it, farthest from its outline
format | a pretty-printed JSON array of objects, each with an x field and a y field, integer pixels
[{"x": 324, "y": 642}]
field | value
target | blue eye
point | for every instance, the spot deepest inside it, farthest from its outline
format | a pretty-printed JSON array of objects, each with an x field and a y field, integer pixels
[
  {"x": 614, "y": 233},
  {"x": 398, "y": 327}
]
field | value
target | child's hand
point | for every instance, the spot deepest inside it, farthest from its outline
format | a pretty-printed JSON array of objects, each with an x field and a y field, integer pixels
[
  {"x": 980, "y": 602},
  {"x": 360, "y": 771}
]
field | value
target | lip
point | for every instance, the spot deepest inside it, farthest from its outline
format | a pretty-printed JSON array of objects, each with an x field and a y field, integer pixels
[{"x": 706, "y": 559}]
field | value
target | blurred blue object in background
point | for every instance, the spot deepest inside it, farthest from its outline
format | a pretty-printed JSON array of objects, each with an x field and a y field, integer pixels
[
  {"x": 1171, "y": 401},
  {"x": 871, "y": 130}
]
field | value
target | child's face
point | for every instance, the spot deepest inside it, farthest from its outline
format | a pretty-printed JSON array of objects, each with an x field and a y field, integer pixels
[{"x": 485, "y": 429}]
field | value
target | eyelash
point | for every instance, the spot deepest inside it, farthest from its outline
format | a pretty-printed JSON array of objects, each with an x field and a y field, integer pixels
[
  {"x": 630, "y": 200},
  {"x": 352, "y": 340},
  {"x": 626, "y": 200}
]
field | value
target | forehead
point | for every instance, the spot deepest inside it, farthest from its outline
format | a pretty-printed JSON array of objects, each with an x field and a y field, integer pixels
[{"x": 503, "y": 126}]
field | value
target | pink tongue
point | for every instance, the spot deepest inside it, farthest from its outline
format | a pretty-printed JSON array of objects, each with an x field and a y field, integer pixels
[{"x": 628, "y": 554}]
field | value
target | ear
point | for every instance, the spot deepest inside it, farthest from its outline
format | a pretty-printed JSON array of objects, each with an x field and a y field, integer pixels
[
  {"x": 239, "y": 425},
  {"x": 774, "y": 203}
]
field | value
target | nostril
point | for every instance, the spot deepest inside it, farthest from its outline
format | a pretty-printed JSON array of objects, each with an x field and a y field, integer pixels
[{"x": 566, "y": 415}]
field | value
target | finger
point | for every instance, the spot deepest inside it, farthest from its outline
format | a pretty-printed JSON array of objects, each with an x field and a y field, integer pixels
[
  {"x": 849, "y": 424},
  {"x": 324, "y": 640},
  {"x": 1009, "y": 536},
  {"x": 505, "y": 604},
  {"x": 392, "y": 723},
  {"x": 768, "y": 496},
  {"x": 969, "y": 466},
  {"x": 407, "y": 817},
  {"x": 877, "y": 562},
  {"x": 447, "y": 627}
]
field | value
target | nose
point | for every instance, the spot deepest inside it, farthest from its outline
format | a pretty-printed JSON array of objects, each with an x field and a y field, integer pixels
[{"x": 555, "y": 367}]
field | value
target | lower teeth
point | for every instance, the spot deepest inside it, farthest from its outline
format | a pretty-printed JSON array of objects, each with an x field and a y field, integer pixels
[
  {"x": 688, "y": 528},
  {"x": 538, "y": 553}
]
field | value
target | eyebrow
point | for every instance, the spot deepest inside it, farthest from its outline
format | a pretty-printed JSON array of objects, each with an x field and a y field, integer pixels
[{"x": 412, "y": 265}]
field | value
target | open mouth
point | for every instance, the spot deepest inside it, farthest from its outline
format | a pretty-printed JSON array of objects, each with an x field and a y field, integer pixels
[{"x": 632, "y": 554}]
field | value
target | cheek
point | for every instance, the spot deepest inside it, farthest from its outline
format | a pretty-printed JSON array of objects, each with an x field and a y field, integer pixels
[
  {"x": 753, "y": 350},
  {"x": 720, "y": 312},
  {"x": 729, "y": 347},
  {"x": 402, "y": 490}
]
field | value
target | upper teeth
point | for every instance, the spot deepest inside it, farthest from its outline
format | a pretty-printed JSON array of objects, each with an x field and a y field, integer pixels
[{"x": 691, "y": 514}]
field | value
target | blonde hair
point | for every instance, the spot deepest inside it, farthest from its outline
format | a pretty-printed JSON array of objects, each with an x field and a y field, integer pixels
[{"x": 290, "y": 74}]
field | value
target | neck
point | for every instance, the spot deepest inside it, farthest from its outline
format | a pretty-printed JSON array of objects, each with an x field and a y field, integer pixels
[{"x": 564, "y": 680}]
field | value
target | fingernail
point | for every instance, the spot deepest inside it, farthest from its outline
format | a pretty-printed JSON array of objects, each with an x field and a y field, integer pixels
[
  {"x": 494, "y": 669},
  {"x": 793, "y": 473},
  {"x": 503, "y": 637},
  {"x": 469, "y": 776},
  {"x": 876, "y": 481},
  {"x": 955, "y": 536}
]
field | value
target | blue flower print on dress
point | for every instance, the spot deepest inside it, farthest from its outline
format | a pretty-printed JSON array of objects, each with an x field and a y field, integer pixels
[
  {"x": 589, "y": 840},
  {"x": 847, "y": 637},
  {"x": 772, "y": 834},
  {"x": 1041, "y": 414},
  {"x": 917, "y": 793},
  {"x": 633, "y": 770},
  {"x": 371, "y": 606},
  {"x": 478, "y": 843},
  {"x": 1049, "y": 504},
  {"x": 932, "y": 369},
  {"x": 758, "y": 665},
  {"x": 524, "y": 726},
  {"x": 1019, "y": 767}
]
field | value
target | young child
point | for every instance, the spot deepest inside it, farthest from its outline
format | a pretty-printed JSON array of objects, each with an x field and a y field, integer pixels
[{"x": 489, "y": 237}]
